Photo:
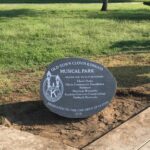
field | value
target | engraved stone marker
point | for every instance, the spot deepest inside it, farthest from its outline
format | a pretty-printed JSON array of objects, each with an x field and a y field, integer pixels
[{"x": 77, "y": 88}]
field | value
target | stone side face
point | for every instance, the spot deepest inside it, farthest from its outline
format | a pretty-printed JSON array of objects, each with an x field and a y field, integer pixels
[{"x": 12, "y": 139}]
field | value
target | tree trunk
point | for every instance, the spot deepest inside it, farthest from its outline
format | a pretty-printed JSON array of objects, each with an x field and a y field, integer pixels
[{"x": 104, "y": 5}]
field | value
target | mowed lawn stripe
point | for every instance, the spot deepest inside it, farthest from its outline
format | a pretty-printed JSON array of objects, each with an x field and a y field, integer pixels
[{"x": 33, "y": 35}]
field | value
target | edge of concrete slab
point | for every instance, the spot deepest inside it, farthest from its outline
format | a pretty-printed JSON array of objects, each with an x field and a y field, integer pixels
[
  {"x": 146, "y": 146},
  {"x": 131, "y": 135},
  {"x": 13, "y": 139}
]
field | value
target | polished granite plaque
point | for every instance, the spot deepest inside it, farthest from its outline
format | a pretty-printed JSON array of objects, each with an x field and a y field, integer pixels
[{"x": 77, "y": 88}]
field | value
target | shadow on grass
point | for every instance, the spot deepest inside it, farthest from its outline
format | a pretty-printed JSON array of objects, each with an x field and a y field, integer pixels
[
  {"x": 131, "y": 76},
  {"x": 62, "y": 1},
  {"x": 50, "y": 1},
  {"x": 17, "y": 13},
  {"x": 133, "y": 46},
  {"x": 133, "y": 15},
  {"x": 120, "y": 15}
]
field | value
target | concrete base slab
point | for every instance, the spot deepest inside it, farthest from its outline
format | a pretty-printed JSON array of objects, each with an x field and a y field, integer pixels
[
  {"x": 146, "y": 146},
  {"x": 132, "y": 135},
  {"x": 12, "y": 139}
]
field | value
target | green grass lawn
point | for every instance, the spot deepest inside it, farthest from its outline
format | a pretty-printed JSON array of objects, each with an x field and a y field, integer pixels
[
  {"x": 35, "y": 35},
  {"x": 66, "y": 1}
]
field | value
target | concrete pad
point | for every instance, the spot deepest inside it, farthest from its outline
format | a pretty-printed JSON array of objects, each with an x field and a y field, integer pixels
[
  {"x": 131, "y": 135},
  {"x": 145, "y": 146},
  {"x": 12, "y": 139}
]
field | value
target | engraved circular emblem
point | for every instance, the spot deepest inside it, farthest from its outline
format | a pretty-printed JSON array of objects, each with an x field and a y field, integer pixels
[{"x": 52, "y": 87}]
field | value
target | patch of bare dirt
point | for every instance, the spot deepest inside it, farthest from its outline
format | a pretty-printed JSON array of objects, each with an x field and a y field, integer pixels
[
  {"x": 34, "y": 117},
  {"x": 20, "y": 106}
]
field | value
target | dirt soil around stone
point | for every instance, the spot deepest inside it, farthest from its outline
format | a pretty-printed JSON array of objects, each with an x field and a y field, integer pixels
[
  {"x": 21, "y": 107},
  {"x": 34, "y": 117}
]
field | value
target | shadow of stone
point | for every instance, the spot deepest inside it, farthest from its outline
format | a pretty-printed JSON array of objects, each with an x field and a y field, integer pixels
[{"x": 31, "y": 113}]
